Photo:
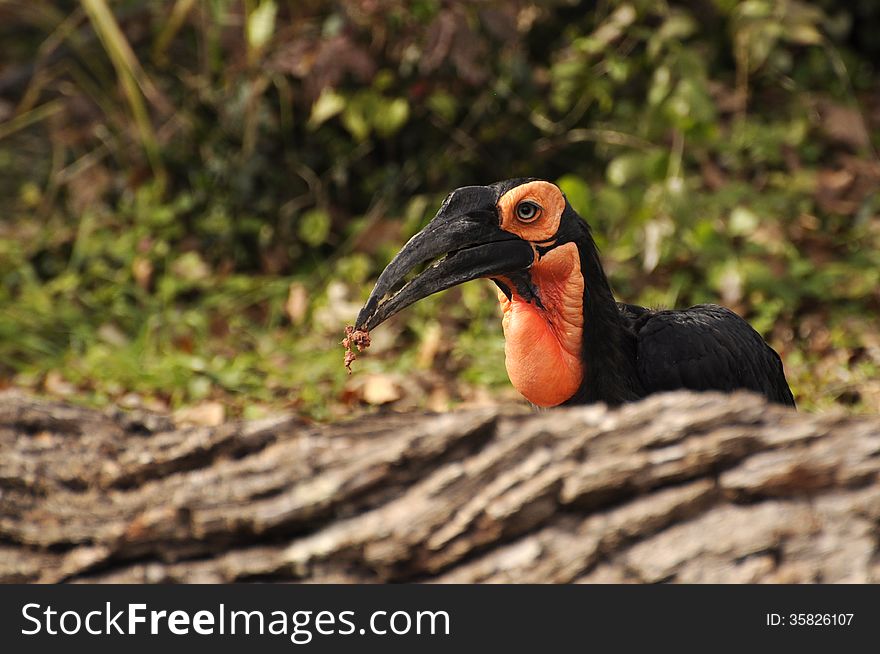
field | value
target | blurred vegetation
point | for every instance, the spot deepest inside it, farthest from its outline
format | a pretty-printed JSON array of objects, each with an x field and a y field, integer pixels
[{"x": 197, "y": 195}]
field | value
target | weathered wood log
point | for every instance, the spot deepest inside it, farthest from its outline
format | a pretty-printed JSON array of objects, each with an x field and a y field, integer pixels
[{"x": 679, "y": 487}]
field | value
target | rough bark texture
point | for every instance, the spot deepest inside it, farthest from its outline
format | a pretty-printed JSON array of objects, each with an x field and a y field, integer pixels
[{"x": 686, "y": 488}]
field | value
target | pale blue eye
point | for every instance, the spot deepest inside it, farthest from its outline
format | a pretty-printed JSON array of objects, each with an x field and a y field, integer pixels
[{"x": 527, "y": 210}]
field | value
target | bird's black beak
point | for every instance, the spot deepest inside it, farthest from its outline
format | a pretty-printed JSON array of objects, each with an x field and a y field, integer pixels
[{"x": 466, "y": 230}]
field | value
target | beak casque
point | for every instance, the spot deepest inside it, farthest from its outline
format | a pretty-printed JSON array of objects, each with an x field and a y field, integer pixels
[{"x": 466, "y": 229}]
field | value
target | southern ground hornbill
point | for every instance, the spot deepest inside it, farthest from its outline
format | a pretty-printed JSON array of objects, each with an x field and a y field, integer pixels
[{"x": 567, "y": 341}]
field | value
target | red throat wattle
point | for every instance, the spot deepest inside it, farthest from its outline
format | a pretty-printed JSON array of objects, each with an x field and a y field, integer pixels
[{"x": 543, "y": 345}]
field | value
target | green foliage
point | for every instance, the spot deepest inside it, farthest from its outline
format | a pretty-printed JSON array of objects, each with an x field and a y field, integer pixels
[{"x": 197, "y": 196}]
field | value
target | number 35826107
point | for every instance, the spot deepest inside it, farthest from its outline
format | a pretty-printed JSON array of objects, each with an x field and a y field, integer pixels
[{"x": 820, "y": 619}]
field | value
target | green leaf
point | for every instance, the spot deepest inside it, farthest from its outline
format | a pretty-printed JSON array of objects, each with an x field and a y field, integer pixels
[
  {"x": 261, "y": 24},
  {"x": 625, "y": 168},
  {"x": 355, "y": 115},
  {"x": 391, "y": 117},
  {"x": 743, "y": 221},
  {"x": 661, "y": 84},
  {"x": 190, "y": 268},
  {"x": 443, "y": 104},
  {"x": 328, "y": 104},
  {"x": 356, "y": 123},
  {"x": 754, "y": 9},
  {"x": 314, "y": 227},
  {"x": 804, "y": 34},
  {"x": 577, "y": 192}
]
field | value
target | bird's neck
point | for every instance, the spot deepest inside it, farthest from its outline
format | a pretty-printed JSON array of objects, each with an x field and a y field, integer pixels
[
  {"x": 609, "y": 346},
  {"x": 544, "y": 329}
]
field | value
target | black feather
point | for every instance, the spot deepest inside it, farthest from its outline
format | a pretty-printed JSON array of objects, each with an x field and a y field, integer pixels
[
  {"x": 706, "y": 347},
  {"x": 630, "y": 351}
]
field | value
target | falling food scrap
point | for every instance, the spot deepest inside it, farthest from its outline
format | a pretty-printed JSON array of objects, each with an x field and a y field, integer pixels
[{"x": 354, "y": 338}]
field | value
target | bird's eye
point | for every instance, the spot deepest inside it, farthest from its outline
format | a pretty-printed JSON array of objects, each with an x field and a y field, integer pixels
[{"x": 527, "y": 211}]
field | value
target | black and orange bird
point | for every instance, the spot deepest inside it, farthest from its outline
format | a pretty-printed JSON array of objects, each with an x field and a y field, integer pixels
[{"x": 567, "y": 340}]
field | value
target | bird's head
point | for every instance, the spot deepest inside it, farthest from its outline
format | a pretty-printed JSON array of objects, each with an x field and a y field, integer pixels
[
  {"x": 491, "y": 231},
  {"x": 522, "y": 234}
]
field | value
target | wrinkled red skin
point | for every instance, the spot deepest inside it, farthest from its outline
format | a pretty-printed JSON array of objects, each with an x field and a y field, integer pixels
[{"x": 542, "y": 345}]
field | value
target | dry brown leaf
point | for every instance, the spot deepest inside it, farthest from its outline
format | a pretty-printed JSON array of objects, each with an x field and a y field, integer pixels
[
  {"x": 142, "y": 271},
  {"x": 381, "y": 389},
  {"x": 297, "y": 303},
  {"x": 206, "y": 414},
  {"x": 844, "y": 125},
  {"x": 430, "y": 345},
  {"x": 57, "y": 385}
]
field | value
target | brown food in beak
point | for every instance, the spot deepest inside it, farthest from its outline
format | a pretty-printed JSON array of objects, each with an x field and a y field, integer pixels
[{"x": 354, "y": 338}]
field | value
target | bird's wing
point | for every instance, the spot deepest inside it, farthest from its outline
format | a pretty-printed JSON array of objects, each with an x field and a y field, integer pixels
[{"x": 707, "y": 347}]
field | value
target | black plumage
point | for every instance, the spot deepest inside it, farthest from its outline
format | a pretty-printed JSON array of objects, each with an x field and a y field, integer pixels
[
  {"x": 705, "y": 347},
  {"x": 631, "y": 351}
]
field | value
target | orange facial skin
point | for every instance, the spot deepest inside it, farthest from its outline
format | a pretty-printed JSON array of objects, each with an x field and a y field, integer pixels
[
  {"x": 544, "y": 226},
  {"x": 543, "y": 342}
]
